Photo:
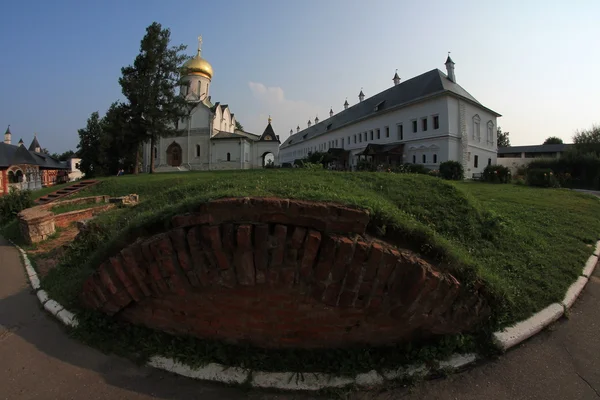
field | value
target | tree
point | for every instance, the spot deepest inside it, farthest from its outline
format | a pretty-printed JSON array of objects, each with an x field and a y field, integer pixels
[
  {"x": 553, "y": 140},
  {"x": 89, "y": 143},
  {"x": 503, "y": 139},
  {"x": 150, "y": 86},
  {"x": 239, "y": 126},
  {"x": 588, "y": 140},
  {"x": 44, "y": 151},
  {"x": 118, "y": 144}
]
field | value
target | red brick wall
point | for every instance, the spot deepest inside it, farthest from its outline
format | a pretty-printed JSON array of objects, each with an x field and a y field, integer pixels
[
  {"x": 63, "y": 220},
  {"x": 278, "y": 273},
  {"x": 4, "y": 185}
]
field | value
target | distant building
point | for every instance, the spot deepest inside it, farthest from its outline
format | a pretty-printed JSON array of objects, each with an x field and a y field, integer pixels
[
  {"x": 425, "y": 120},
  {"x": 208, "y": 139},
  {"x": 23, "y": 168},
  {"x": 514, "y": 157},
  {"x": 75, "y": 173}
]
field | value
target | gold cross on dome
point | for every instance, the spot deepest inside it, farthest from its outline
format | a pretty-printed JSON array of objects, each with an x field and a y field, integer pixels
[{"x": 199, "y": 43}]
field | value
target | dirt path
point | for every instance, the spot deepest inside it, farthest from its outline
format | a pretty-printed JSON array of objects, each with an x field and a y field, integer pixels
[{"x": 40, "y": 361}]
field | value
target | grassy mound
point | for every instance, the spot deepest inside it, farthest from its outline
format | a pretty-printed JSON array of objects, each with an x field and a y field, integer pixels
[{"x": 526, "y": 245}]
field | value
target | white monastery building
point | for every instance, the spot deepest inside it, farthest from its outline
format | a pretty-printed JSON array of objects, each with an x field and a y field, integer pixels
[
  {"x": 425, "y": 120},
  {"x": 208, "y": 139}
]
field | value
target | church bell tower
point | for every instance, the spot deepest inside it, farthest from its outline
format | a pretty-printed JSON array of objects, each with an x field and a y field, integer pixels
[{"x": 196, "y": 74}]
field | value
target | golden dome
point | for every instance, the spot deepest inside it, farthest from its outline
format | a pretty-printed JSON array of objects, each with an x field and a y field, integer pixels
[{"x": 198, "y": 66}]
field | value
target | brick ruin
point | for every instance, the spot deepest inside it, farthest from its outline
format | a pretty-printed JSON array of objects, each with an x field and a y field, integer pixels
[{"x": 281, "y": 273}]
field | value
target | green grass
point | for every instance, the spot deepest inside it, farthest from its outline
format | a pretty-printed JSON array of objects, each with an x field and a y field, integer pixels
[
  {"x": 526, "y": 245},
  {"x": 60, "y": 209}
]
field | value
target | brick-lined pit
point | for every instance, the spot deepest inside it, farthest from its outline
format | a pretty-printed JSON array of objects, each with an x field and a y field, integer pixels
[{"x": 280, "y": 273}]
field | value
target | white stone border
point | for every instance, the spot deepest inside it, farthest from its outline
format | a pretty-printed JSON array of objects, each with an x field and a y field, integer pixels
[{"x": 310, "y": 381}]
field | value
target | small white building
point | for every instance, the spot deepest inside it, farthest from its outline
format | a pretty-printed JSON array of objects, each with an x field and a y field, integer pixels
[
  {"x": 425, "y": 120},
  {"x": 207, "y": 138},
  {"x": 75, "y": 173},
  {"x": 515, "y": 157}
]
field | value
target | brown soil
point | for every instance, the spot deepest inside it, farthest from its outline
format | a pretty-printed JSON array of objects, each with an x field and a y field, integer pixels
[{"x": 48, "y": 253}]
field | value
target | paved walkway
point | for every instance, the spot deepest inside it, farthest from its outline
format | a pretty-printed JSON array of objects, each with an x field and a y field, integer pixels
[{"x": 39, "y": 361}]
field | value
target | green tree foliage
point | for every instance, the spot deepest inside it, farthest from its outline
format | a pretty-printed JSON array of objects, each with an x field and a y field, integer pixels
[
  {"x": 13, "y": 203},
  {"x": 496, "y": 174},
  {"x": 503, "y": 139},
  {"x": 118, "y": 144},
  {"x": 553, "y": 140},
  {"x": 150, "y": 86},
  {"x": 588, "y": 140},
  {"x": 64, "y": 156},
  {"x": 89, "y": 145},
  {"x": 239, "y": 126}
]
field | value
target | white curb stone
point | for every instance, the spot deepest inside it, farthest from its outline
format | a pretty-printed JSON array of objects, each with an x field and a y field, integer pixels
[
  {"x": 298, "y": 381},
  {"x": 211, "y": 372},
  {"x": 523, "y": 330},
  {"x": 405, "y": 372},
  {"x": 67, "y": 318},
  {"x": 42, "y": 296},
  {"x": 52, "y": 307},
  {"x": 458, "y": 361},
  {"x": 574, "y": 291},
  {"x": 35, "y": 282},
  {"x": 597, "y": 251},
  {"x": 590, "y": 265},
  {"x": 371, "y": 378},
  {"x": 29, "y": 268}
]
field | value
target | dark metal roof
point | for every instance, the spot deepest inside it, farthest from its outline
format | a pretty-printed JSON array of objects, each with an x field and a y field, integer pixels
[
  {"x": 269, "y": 134},
  {"x": 14, "y": 155},
  {"x": 449, "y": 60},
  {"x": 540, "y": 148},
  {"x": 431, "y": 83},
  {"x": 382, "y": 149},
  {"x": 235, "y": 135}
]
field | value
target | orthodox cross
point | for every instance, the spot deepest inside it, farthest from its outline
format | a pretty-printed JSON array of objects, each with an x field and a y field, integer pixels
[{"x": 199, "y": 44}]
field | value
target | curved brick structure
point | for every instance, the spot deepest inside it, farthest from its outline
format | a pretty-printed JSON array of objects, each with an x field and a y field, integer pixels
[{"x": 280, "y": 273}]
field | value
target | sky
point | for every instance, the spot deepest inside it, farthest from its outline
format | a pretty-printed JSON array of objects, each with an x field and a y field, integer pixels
[{"x": 534, "y": 62}]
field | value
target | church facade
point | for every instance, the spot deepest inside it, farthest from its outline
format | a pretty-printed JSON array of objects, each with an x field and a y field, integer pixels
[
  {"x": 208, "y": 138},
  {"x": 425, "y": 120}
]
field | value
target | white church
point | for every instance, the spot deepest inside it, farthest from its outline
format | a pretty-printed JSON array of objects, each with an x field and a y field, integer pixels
[
  {"x": 208, "y": 139},
  {"x": 425, "y": 120}
]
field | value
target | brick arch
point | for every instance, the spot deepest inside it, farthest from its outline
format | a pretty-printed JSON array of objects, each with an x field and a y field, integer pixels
[{"x": 281, "y": 273}]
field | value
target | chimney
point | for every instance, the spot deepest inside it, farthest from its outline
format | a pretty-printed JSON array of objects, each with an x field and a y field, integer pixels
[
  {"x": 298, "y": 128},
  {"x": 450, "y": 68},
  {"x": 396, "y": 79},
  {"x": 309, "y": 123},
  {"x": 291, "y": 132},
  {"x": 330, "y": 112},
  {"x": 346, "y": 104},
  {"x": 361, "y": 95}
]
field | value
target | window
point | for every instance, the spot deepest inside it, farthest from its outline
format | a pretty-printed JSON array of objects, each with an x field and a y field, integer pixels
[
  {"x": 424, "y": 158},
  {"x": 489, "y": 161},
  {"x": 365, "y": 136},
  {"x": 342, "y": 143},
  {"x": 349, "y": 140},
  {"x": 246, "y": 157},
  {"x": 414, "y": 159},
  {"x": 435, "y": 158},
  {"x": 360, "y": 137},
  {"x": 197, "y": 150},
  {"x": 414, "y": 123},
  {"x": 476, "y": 161},
  {"x": 490, "y": 133},
  {"x": 387, "y": 131},
  {"x": 228, "y": 156},
  {"x": 355, "y": 138},
  {"x": 371, "y": 135},
  {"x": 400, "y": 129},
  {"x": 424, "y": 123},
  {"x": 476, "y": 131},
  {"x": 436, "y": 122},
  {"x": 378, "y": 134},
  {"x": 336, "y": 142}
]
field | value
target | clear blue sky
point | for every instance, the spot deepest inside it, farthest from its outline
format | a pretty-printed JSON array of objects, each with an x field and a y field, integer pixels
[{"x": 535, "y": 62}]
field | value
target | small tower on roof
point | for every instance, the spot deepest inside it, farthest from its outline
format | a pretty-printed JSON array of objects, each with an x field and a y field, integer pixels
[
  {"x": 35, "y": 145},
  {"x": 7, "y": 136},
  {"x": 316, "y": 119},
  {"x": 361, "y": 95},
  {"x": 298, "y": 128},
  {"x": 346, "y": 104},
  {"x": 309, "y": 123},
  {"x": 21, "y": 142},
  {"x": 396, "y": 79},
  {"x": 291, "y": 132},
  {"x": 450, "y": 68},
  {"x": 330, "y": 112}
]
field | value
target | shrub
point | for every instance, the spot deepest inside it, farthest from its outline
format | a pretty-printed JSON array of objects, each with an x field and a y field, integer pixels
[
  {"x": 496, "y": 174},
  {"x": 452, "y": 170},
  {"x": 574, "y": 169},
  {"x": 312, "y": 166},
  {"x": 13, "y": 203},
  {"x": 542, "y": 177}
]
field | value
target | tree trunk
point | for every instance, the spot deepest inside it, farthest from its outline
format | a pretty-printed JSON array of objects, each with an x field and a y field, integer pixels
[
  {"x": 136, "y": 167},
  {"x": 152, "y": 143}
]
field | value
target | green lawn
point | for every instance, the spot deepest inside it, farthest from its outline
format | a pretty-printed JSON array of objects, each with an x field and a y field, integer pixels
[{"x": 527, "y": 245}]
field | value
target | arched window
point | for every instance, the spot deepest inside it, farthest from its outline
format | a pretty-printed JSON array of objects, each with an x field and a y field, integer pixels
[
  {"x": 414, "y": 159},
  {"x": 197, "y": 150},
  {"x": 424, "y": 158},
  {"x": 476, "y": 128},
  {"x": 228, "y": 156},
  {"x": 435, "y": 158}
]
